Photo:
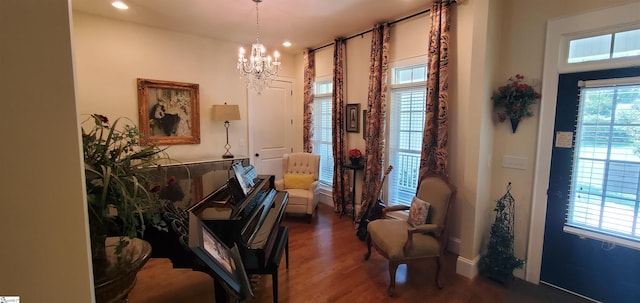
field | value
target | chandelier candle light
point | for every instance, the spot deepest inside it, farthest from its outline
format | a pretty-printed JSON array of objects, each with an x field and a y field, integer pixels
[{"x": 258, "y": 71}]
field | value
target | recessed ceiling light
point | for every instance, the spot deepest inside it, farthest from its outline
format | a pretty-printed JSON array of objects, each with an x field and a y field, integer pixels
[
  {"x": 286, "y": 44},
  {"x": 119, "y": 5}
]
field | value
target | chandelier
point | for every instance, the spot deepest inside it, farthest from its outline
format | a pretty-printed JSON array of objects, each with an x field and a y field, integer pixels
[{"x": 258, "y": 70}]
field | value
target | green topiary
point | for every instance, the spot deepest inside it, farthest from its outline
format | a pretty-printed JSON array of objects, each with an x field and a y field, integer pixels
[{"x": 499, "y": 261}]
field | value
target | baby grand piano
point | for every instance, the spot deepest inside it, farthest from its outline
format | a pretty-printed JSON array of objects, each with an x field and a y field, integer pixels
[{"x": 246, "y": 211}]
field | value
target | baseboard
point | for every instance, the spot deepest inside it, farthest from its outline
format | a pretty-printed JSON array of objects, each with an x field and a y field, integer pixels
[
  {"x": 325, "y": 197},
  {"x": 466, "y": 267},
  {"x": 519, "y": 272},
  {"x": 454, "y": 246}
]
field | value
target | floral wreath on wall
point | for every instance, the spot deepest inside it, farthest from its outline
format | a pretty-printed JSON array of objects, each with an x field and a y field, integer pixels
[{"x": 513, "y": 100}]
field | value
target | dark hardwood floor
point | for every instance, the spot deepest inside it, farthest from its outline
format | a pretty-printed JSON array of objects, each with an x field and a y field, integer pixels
[{"x": 326, "y": 265}]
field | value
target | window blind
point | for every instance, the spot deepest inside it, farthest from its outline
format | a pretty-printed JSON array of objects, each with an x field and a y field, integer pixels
[
  {"x": 322, "y": 137},
  {"x": 605, "y": 183},
  {"x": 405, "y": 141}
]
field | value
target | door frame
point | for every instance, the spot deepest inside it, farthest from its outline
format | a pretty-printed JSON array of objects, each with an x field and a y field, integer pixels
[{"x": 559, "y": 31}]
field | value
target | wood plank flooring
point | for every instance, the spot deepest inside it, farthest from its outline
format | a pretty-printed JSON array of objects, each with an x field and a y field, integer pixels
[{"x": 326, "y": 264}]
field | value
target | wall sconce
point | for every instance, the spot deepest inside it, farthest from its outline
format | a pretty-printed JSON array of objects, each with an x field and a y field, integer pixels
[{"x": 226, "y": 113}]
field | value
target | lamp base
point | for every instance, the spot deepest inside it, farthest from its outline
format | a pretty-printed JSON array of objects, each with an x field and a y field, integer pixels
[{"x": 227, "y": 156}]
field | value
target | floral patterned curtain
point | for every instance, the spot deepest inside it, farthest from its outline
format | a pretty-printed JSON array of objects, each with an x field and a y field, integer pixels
[
  {"x": 435, "y": 153},
  {"x": 377, "y": 98},
  {"x": 341, "y": 193},
  {"x": 309, "y": 75}
]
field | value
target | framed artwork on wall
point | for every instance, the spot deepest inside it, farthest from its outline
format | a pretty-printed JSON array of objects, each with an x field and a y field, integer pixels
[
  {"x": 353, "y": 117},
  {"x": 364, "y": 124},
  {"x": 169, "y": 112}
]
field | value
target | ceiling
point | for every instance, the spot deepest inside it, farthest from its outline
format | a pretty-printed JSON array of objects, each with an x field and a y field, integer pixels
[{"x": 306, "y": 23}]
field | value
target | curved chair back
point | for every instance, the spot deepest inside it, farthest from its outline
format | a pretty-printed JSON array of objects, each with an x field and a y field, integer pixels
[
  {"x": 301, "y": 163},
  {"x": 440, "y": 193}
]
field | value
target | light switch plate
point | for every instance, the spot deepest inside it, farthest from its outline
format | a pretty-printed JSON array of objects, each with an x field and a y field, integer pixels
[{"x": 515, "y": 162}]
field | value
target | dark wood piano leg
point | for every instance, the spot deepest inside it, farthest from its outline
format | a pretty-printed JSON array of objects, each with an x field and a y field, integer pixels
[
  {"x": 286, "y": 251},
  {"x": 274, "y": 281}
]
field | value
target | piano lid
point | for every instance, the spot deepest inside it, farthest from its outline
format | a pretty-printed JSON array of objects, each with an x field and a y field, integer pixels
[{"x": 186, "y": 187}]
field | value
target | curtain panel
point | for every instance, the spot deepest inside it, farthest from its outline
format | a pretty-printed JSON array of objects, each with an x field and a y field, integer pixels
[
  {"x": 435, "y": 155},
  {"x": 376, "y": 116},
  {"x": 309, "y": 75},
  {"x": 341, "y": 192}
]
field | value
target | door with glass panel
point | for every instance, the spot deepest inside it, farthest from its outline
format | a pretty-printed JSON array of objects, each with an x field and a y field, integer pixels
[{"x": 592, "y": 229}]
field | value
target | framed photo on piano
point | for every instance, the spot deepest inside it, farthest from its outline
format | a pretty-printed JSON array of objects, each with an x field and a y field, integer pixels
[{"x": 225, "y": 263}]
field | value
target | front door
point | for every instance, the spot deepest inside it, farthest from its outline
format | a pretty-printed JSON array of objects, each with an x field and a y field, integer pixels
[
  {"x": 597, "y": 269},
  {"x": 270, "y": 127}
]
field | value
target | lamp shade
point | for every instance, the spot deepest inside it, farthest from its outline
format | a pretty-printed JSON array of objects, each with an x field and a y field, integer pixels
[{"x": 226, "y": 112}]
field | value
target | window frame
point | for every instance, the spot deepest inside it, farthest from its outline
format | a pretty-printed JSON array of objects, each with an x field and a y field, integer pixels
[
  {"x": 325, "y": 186},
  {"x": 420, "y": 61},
  {"x": 563, "y": 59},
  {"x": 585, "y": 229}
]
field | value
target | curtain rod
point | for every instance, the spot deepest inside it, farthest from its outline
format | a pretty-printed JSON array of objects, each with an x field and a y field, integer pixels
[{"x": 390, "y": 23}]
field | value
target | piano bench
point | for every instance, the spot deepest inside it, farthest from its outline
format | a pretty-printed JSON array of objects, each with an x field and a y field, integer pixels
[
  {"x": 282, "y": 241},
  {"x": 159, "y": 282}
]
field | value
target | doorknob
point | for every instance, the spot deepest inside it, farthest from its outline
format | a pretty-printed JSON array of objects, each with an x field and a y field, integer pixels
[{"x": 257, "y": 155}]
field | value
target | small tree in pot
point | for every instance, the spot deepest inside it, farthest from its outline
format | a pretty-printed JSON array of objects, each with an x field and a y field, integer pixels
[{"x": 499, "y": 261}]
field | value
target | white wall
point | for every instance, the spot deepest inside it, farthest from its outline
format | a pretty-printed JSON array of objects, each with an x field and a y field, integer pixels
[
  {"x": 522, "y": 37},
  {"x": 111, "y": 55},
  {"x": 43, "y": 216}
]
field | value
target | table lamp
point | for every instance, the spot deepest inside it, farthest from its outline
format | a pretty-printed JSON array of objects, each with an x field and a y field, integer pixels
[{"x": 226, "y": 113}]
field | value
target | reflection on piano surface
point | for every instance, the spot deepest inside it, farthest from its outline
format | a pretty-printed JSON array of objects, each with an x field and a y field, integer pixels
[{"x": 244, "y": 209}]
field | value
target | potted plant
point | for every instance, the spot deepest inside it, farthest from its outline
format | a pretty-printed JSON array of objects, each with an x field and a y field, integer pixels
[
  {"x": 354, "y": 156},
  {"x": 499, "y": 261},
  {"x": 513, "y": 100},
  {"x": 122, "y": 200}
]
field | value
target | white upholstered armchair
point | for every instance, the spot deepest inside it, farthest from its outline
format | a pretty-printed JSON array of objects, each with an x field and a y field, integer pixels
[{"x": 300, "y": 179}]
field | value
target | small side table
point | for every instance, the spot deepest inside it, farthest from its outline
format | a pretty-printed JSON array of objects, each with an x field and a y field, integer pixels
[{"x": 354, "y": 168}]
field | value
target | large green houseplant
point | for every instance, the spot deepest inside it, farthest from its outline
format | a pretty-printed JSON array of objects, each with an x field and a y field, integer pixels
[{"x": 121, "y": 196}]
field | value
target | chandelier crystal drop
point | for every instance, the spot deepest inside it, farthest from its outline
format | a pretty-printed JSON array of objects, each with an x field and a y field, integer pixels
[{"x": 258, "y": 70}]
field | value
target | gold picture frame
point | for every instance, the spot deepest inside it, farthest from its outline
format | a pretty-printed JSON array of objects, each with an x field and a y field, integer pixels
[{"x": 169, "y": 112}]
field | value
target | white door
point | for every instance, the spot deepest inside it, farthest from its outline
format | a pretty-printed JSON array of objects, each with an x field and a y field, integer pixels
[{"x": 270, "y": 127}]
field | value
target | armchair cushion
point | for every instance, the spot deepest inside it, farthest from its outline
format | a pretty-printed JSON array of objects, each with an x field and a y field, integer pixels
[
  {"x": 299, "y": 181},
  {"x": 418, "y": 212},
  {"x": 390, "y": 236}
]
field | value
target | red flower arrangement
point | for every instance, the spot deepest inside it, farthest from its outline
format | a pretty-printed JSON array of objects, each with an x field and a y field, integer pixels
[
  {"x": 355, "y": 153},
  {"x": 514, "y": 99}
]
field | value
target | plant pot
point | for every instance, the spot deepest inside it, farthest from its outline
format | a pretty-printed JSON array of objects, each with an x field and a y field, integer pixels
[
  {"x": 514, "y": 124},
  {"x": 504, "y": 278},
  {"x": 115, "y": 274},
  {"x": 355, "y": 161}
]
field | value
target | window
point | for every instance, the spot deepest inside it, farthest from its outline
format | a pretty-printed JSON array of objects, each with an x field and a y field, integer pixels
[
  {"x": 605, "y": 186},
  {"x": 604, "y": 47},
  {"x": 406, "y": 124},
  {"x": 322, "y": 112}
]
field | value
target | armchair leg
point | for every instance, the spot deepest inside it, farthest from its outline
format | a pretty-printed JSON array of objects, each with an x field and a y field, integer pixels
[
  {"x": 368, "y": 253},
  {"x": 439, "y": 265},
  {"x": 393, "y": 267}
]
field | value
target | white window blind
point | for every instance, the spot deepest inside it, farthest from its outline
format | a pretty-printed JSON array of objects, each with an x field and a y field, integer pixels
[
  {"x": 406, "y": 125},
  {"x": 605, "y": 185},
  {"x": 322, "y": 113}
]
